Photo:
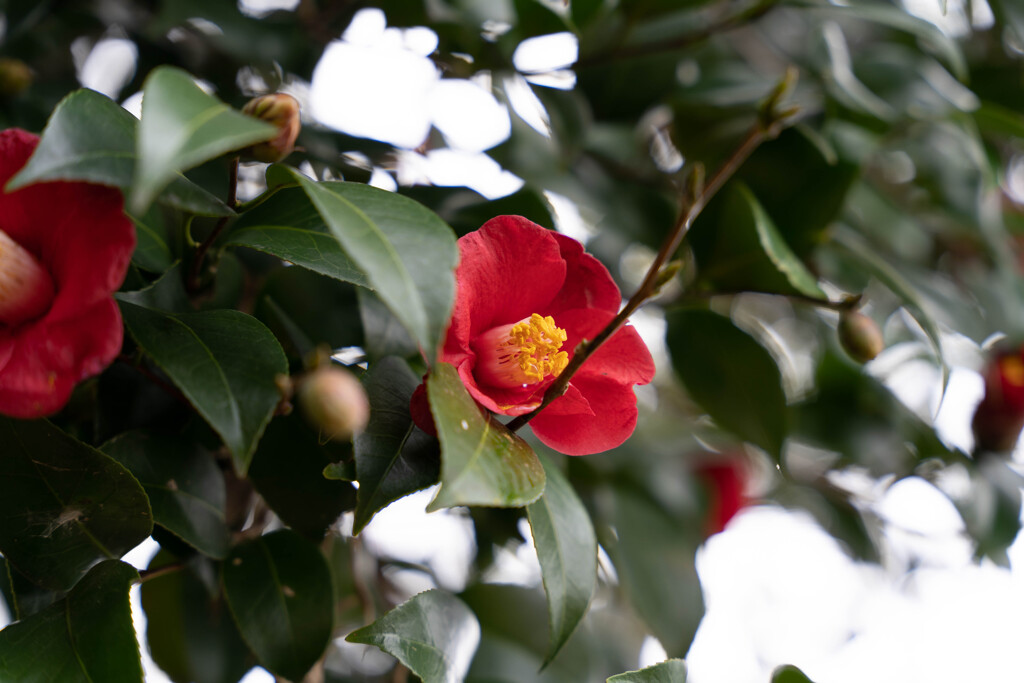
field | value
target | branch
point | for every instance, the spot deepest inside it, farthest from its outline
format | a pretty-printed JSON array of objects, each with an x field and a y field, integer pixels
[
  {"x": 770, "y": 122},
  {"x": 192, "y": 283}
]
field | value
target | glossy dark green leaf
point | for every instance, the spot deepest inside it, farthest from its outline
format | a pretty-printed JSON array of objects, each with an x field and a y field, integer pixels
[
  {"x": 287, "y": 471},
  {"x": 152, "y": 252},
  {"x": 789, "y": 674},
  {"x": 433, "y": 634},
  {"x": 304, "y": 309},
  {"x": 890, "y": 275},
  {"x": 407, "y": 253},
  {"x": 86, "y": 637},
  {"x": 730, "y": 376},
  {"x": 670, "y": 671},
  {"x": 654, "y": 557},
  {"x": 184, "y": 485},
  {"x": 393, "y": 457},
  {"x": 279, "y": 589},
  {"x": 384, "y": 333},
  {"x": 182, "y": 127},
  {"x": 166, "y": 293},
  {"x": 189, "y": 629},
  {"x": 66, "y": 506},
  {"x": 482, "y": 463},
  {"x": 23, "y": 598},
  {"x": 223, "y": 361},
  {"x": 91, "y": 138},
  {"x": 740, "y": 249},
  {"x": 288, "y": 226},
  {"x": 567, "y": 550}
]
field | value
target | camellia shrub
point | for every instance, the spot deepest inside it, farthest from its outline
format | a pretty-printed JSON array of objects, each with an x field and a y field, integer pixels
[{"x": 237, "y": 321}]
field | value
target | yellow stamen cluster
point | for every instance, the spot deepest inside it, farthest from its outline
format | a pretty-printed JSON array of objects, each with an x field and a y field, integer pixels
[
  {"x": 1012, "y": 369},
  {"x": 537, "y": 342}
]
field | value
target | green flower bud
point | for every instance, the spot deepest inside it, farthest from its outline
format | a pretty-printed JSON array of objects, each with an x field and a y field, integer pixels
[
  {"x": 335, "y": 402},
  {"x": 15, "y": 76},
  {"x": 282, "y": 111},
  {"x": 859, "y": 336}
]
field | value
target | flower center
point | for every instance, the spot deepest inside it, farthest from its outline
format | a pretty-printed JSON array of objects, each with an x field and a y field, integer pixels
[
  {"x": 524, "y": 353},
  {"x": 26, "y": 289}
]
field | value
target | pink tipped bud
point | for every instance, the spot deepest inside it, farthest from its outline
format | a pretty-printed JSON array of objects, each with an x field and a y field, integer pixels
[
  {"x": 282, "y": 111},
  {"x": 335, "y": 402},
  {"x": 859, "y": 336},
  {"x": 15, "y": 76},
  {"x": 26, "y": 289}
]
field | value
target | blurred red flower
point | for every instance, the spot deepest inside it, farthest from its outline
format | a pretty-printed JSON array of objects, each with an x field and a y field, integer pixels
[
  {"x": 526, "y": 297},
  {"x": 999, "y": 417},
  {"x": 64, "y": 248},
  {"x": 725, "y": 483}
]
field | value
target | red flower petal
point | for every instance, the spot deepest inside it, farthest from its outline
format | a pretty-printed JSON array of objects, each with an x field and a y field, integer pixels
[
  {"x": 80, "y": 234},
  {"x": 48, "y": 360},
  {"x": 614, "y": 418},
  {"x": 624, "y": 358},
  {"x": 588, "y": 284},
  {"x": 509, "y": 269}
]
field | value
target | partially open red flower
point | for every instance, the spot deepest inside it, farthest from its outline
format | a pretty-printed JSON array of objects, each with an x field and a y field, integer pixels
[
  {"x": 999, "y": 417},
  {"x": 64, "y": 248},
  {"x": 526, "y": 297}
]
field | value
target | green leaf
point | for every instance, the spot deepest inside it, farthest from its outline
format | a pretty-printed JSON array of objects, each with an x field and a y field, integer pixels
[
  {"x": 65, "y": 505},
  {"x": 482, "y": 463},
  {"x": 189, "y": 629},
  {"x": 393, "y": 457},
  {"x": 407, "y": 253},
  {"x": 288, "y": 226},
  {"x": 23, "y": 597},
  {"x": 223, "y": 361},
  {"x": 166, "y": 293},
  {"x": 670, "y": 671},
  {"x": 433, "y": 634},
  {"x": 287, "y": 471},
  {"x": 151, "y": 250},
  {"x": 85, "y": 638},
  {"x": 91, "y": 138},
  {"x": 567, "y": 550},
  {"x": 182, "y": 127},
  {"x": 891, "y": 277},
  {"x": 279, "y": 589},
  {"x": 742, "y": 250},
  {"x": 654, "y": 554},
  {"x": 789, "y": 674},
  {"x": 184, "y": 485},
  {"x": 730, "y": 376}
]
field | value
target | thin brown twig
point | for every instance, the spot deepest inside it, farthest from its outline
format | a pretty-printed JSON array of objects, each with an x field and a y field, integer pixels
[
  {"x": 193, "y": 281},
  {"x": 768, "y": 126},
  {"x": 150, "y": 574}
]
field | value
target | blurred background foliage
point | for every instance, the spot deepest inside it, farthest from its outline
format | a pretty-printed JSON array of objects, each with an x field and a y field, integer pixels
[{"x": 901, "y": 180}]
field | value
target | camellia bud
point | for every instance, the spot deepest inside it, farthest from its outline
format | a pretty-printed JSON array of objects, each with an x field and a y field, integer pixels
[
  {"x": 859, "y": 336},
  {"x": 15, "y": 76},
  {"x": 335, "y": 402},
  {"x": 282, "y": 111},
  {"x": 999, "y": 417}
]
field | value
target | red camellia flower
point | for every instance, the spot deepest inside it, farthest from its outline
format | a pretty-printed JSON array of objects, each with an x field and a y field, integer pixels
[
  {"x": 64, "y": 248},
  {"x": 999, "y": 417},
  {"x": 526, "y": 297},
  {"x": 725, "y": 481}
]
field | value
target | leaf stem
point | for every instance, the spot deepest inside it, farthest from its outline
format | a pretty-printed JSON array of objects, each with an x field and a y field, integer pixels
[
  {"x": 150, "y": 574},
  {"x": 696, "y": 197},
  {"x": 193, "y": 281}
]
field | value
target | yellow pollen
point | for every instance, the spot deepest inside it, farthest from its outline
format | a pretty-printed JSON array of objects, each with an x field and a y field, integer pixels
[
  {"x": 520, "y": 354},
  {"x": 1012, "y": 370},
  {"x": 536, "y": 343}
]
